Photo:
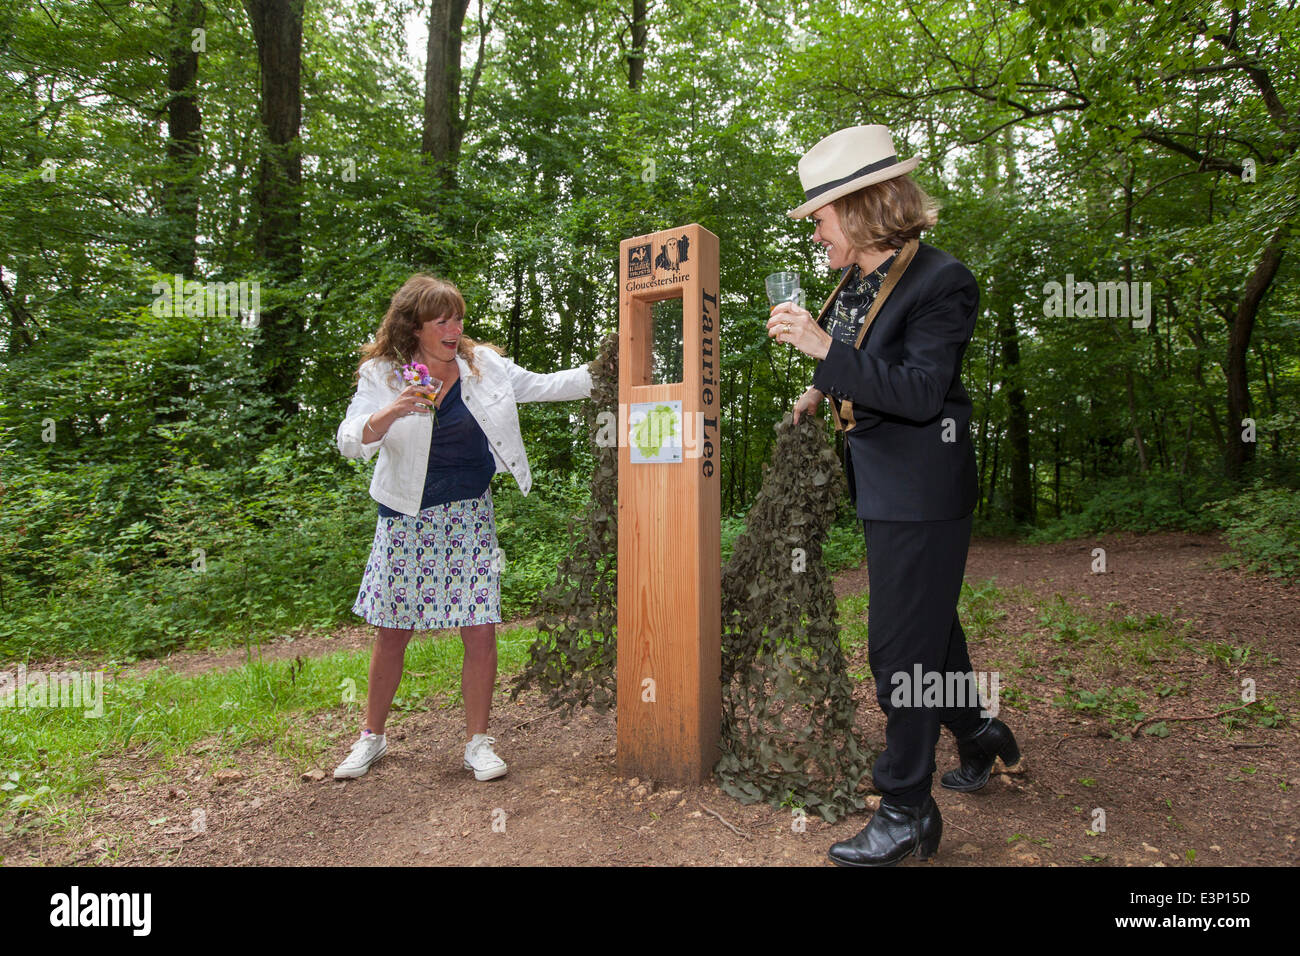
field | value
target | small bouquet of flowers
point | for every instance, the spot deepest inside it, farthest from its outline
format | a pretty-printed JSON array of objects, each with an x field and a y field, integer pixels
[{"x": 417, "y": 373}]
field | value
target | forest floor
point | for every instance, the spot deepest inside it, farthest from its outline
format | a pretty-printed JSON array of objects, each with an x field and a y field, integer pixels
[{"x": 1167, "y": 629}]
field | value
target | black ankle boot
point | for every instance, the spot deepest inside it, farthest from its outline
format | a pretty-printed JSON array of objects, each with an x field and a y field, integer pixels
[
  {"x": 978, "y": 752},
  {"x": 894, "y": 832}
]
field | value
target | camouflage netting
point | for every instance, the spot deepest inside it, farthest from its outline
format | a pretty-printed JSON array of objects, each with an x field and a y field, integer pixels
[
  {"x": 787, "y": 698},
  {"x": 572, "y": 660},
  {"x": 788, "y": 711}
]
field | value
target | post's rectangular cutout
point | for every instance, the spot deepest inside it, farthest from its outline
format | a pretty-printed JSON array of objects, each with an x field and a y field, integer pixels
[{"x": 666, "y": 342}]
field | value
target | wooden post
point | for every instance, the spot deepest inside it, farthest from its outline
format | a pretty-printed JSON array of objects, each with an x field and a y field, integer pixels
[{"x": 669, "y": 552}]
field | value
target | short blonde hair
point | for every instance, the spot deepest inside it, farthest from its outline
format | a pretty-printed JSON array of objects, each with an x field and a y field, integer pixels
[{"x": 887, "y": 213}]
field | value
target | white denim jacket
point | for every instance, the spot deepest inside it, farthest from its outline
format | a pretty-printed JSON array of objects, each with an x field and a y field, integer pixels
[{"x": 491, "y": 398}]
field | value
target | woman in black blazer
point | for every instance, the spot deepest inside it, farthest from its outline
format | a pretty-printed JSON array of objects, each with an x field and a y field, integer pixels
[{"x": 890, "y": 341}]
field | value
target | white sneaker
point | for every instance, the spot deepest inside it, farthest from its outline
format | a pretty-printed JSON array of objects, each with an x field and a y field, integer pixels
[
  {"x": 480, "y": 758},
  {"x": 364, "y": 752}
]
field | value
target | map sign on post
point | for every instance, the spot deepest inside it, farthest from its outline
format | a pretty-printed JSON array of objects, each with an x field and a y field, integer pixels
[{"x": 655, "y": 432}]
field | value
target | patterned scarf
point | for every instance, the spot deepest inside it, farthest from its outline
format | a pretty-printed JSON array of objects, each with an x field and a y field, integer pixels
[{"x": 851, "y": 306}]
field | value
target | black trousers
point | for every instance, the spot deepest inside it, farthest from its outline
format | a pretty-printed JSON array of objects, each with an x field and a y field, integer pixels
[{"x": 916, "y": 570}]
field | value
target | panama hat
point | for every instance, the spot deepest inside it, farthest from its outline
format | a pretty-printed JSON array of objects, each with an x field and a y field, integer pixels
[{"x": 846, "y": 161}]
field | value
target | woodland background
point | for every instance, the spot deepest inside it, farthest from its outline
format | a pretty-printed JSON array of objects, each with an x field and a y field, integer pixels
[{"x": 294, "y": 143}]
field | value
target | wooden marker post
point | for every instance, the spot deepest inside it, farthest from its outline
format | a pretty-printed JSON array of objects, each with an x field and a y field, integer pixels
[{"x": 669, "y": 553}]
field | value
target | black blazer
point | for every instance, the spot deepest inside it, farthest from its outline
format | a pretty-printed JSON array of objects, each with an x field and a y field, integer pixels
[{"x": 909, "y": 455}]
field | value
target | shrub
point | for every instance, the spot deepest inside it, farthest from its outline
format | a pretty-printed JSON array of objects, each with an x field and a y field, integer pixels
[
  {"x": 1263, "y": 528},
  {"x": 1155, "y": 502}
]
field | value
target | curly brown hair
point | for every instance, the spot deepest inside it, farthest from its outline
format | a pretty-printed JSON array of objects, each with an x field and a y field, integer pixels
[
  {"x": 422, "y": 298},
  {"x": 888, "y": 213}
]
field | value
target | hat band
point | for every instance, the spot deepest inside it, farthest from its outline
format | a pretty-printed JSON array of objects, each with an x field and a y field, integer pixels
[{"x": 870, "y": 168}]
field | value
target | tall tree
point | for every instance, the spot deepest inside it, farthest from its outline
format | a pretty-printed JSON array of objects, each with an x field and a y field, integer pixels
[
  {"x": 277, "y": 29},
  {"x": 443, "y": 126},
  {"x": 184, "y": 137},
  {"x": 1241, "y": 325},
  {"x": 636, "y": 55}
]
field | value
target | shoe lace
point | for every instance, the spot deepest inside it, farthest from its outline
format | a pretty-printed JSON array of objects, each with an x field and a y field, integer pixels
[
  {"x": 358, "y": 747},
  {"x": 485, "y": 741}
]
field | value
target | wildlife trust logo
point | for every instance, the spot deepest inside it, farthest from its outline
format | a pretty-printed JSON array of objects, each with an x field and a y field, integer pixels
[
  {"x": 638, "y": 261},
  {"x": 672, "y": 255}
]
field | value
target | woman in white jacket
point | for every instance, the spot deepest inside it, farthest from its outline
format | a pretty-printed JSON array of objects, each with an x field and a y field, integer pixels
[{"x": 434, "y": 562}]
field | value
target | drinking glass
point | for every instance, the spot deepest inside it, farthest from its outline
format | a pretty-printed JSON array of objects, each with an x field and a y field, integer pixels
[
  {"x": 784, "y": 287},
  {"x": 434, "y": 389}
]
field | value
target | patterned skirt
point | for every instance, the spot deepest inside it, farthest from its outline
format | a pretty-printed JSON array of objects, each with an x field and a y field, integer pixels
[{"x": 435, "y": 570}]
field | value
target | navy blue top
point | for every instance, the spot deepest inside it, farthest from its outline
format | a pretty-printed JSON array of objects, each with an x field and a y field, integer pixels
[{"x": 460, "y": 460}]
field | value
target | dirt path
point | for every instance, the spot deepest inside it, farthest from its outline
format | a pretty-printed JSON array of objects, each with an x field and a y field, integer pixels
[{"x": 1197, "y": 796}]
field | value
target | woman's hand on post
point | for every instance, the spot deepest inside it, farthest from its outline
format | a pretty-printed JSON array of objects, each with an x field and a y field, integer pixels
[
  {"x": 795, "y": 325},
  {"x": 807, "y": 403}
]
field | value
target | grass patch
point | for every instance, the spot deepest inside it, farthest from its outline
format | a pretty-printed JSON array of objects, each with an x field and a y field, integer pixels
[
  {"x": 1235, "y": 655},
  {"x": 852, "y": 614},
  {"x": 50, "y": 756},
  {"x": 1120, "y": 707},
  {"x": 1135, "y": 641},
  {"x": 978, "y": 609}
]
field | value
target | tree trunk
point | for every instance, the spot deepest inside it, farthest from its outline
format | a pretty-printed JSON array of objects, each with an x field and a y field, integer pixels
[
  {"x": 983, "y": 456},
  {"x": 1022, "y": 487},
  {"x": 1130, "y": 393},
  {"x": 1056, "y": 470},
  {"x": 277, "y": 29},
  {"x": 20, "y": 336},
  {"x": 440, "y": 142},
  {"x": 1268, "y": 374},
  {"x": 636, "y": 56},
  {"x": 516, "y": 310},
  {"x": 184, "y": 139},
  {"x": 1197, "y": 334},
  {"x": 1130, "y": 390},
  {"x": 181, "y": 189},
  {"x": 993, "y": 472},
  {"x": 1243, "y": 324}
]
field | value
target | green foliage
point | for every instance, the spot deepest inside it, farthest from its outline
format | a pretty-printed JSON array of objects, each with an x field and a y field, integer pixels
[
  {"x": 249, "y": 582},
  {"x": 977, "y": 609},
  {"x": 1157, "y": 502},
  {"x": 1235, "y": 655},
  {"x": 732, "y": 527},
  {"x": 1262, "y": 712},
  {"x": 532, "y": 533},
  {"x": 572, "y": 660},
  {"x": 51, "y": 755},
  {"x": 1137, "y": 641},
  {"x": 1263, "y": 527},
  {"x": 167, "y": 436},
  {"x": 1121, "y": 707},
  {"x": 845, "y": 546}
]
